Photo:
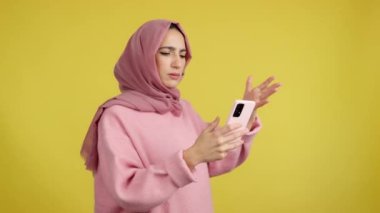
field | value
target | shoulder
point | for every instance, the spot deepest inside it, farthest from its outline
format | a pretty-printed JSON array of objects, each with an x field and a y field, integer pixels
[
  {"x": 188, "y": 108},
  {"x": 118, "y": 113},
  {"x": 115, "y": 111},
  {"x": 190, "y": 111},
  {"x": 186, "y": 104}
]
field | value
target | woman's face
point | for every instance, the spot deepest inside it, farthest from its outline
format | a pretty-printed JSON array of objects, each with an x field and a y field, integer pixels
[{"x": 170, "y": 58}]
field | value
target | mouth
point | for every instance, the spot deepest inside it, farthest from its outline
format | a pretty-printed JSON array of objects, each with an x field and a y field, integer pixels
[{"x": 175, "y": 76}]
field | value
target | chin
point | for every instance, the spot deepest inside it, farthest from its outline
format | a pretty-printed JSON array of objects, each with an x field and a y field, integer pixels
[{"x": 171, "y": 84}]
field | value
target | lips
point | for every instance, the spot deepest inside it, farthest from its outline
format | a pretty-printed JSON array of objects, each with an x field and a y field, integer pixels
[{"x": 175, "y": 76}]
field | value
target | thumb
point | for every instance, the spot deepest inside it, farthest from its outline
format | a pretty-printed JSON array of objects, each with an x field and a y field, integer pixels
[
  {"x": 248, "y": 84},
  {"x": 211, "y": 126}
]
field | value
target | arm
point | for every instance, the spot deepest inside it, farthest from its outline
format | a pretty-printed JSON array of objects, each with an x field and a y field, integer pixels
[
  {"x": 260, "y": 95},
  {"x": 134, "y": 186},
  {"x": 231, "y": 152}
]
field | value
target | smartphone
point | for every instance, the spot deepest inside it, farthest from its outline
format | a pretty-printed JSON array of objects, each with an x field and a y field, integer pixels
[{"x": 241, "y": 112}]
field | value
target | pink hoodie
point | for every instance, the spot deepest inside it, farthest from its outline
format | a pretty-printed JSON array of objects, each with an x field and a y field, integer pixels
[
  {"x": 141, "y": 168},
  {"x": 135, "y": 142}
]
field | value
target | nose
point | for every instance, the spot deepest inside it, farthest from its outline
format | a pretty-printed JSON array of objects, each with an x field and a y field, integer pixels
[{"x": 177, "y": 61}]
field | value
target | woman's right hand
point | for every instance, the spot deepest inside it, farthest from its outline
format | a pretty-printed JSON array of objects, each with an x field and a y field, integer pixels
[{"x": 214, "y": 143}]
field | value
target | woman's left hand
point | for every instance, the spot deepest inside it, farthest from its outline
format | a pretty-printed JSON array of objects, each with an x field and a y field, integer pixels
[{"x": 259, "y": 94}]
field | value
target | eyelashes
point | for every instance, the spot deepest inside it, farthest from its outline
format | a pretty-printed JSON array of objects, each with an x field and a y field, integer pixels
[{"x": 167, "y": 54}]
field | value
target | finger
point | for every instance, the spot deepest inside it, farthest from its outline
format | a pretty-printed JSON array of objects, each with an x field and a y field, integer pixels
[
  {"x": 215, "y": 123},
  {"x": 235, "y": 135},
  {"x": 248, "y": 84},
  {"x": 227, "y": 129},
  {"x": 269, "y": 91},
  {"x": 231, "y": 146},
  {"x": 275, "y": 86},
  {"x": 236, "y": 145},
  {"x": 266, "y": 83}
]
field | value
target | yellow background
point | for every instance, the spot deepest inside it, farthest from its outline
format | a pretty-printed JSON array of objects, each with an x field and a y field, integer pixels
[{"x": 319, "y": 148}]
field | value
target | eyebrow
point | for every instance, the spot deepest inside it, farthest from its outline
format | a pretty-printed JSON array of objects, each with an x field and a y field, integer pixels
[{"x": 171, "y": 48}]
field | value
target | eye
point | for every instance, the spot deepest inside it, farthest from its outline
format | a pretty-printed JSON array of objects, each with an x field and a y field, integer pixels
[
  {"x": 182, "y": 56},
  {"x": 164, "y": 53}
]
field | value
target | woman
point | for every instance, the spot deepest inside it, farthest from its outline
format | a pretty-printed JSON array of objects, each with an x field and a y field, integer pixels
[{"x": 148, "y": 149}]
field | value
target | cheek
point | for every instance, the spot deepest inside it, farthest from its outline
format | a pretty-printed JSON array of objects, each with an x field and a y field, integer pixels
[
  {"x": 183, "y": 62},
  {"x": 160, "y": 69},
  {"x": 162, "y": 63},
  {"x": 160, "y": 66}
]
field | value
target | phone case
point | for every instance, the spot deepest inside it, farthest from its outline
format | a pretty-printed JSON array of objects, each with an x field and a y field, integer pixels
[{"x": 244, "y": 113}]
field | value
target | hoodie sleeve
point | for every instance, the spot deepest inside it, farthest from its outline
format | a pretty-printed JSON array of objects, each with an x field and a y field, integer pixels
[{"x": 134, "y": 186}]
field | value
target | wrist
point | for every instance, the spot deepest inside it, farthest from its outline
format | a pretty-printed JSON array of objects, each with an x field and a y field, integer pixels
[{"x": 190, "y": 158}]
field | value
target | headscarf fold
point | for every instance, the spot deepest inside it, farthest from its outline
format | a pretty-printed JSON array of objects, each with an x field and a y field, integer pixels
[{"x": 139, "y": 82}]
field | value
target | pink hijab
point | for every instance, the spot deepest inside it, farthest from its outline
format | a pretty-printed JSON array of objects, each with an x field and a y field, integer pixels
[{"x": 139, "y": 82}]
